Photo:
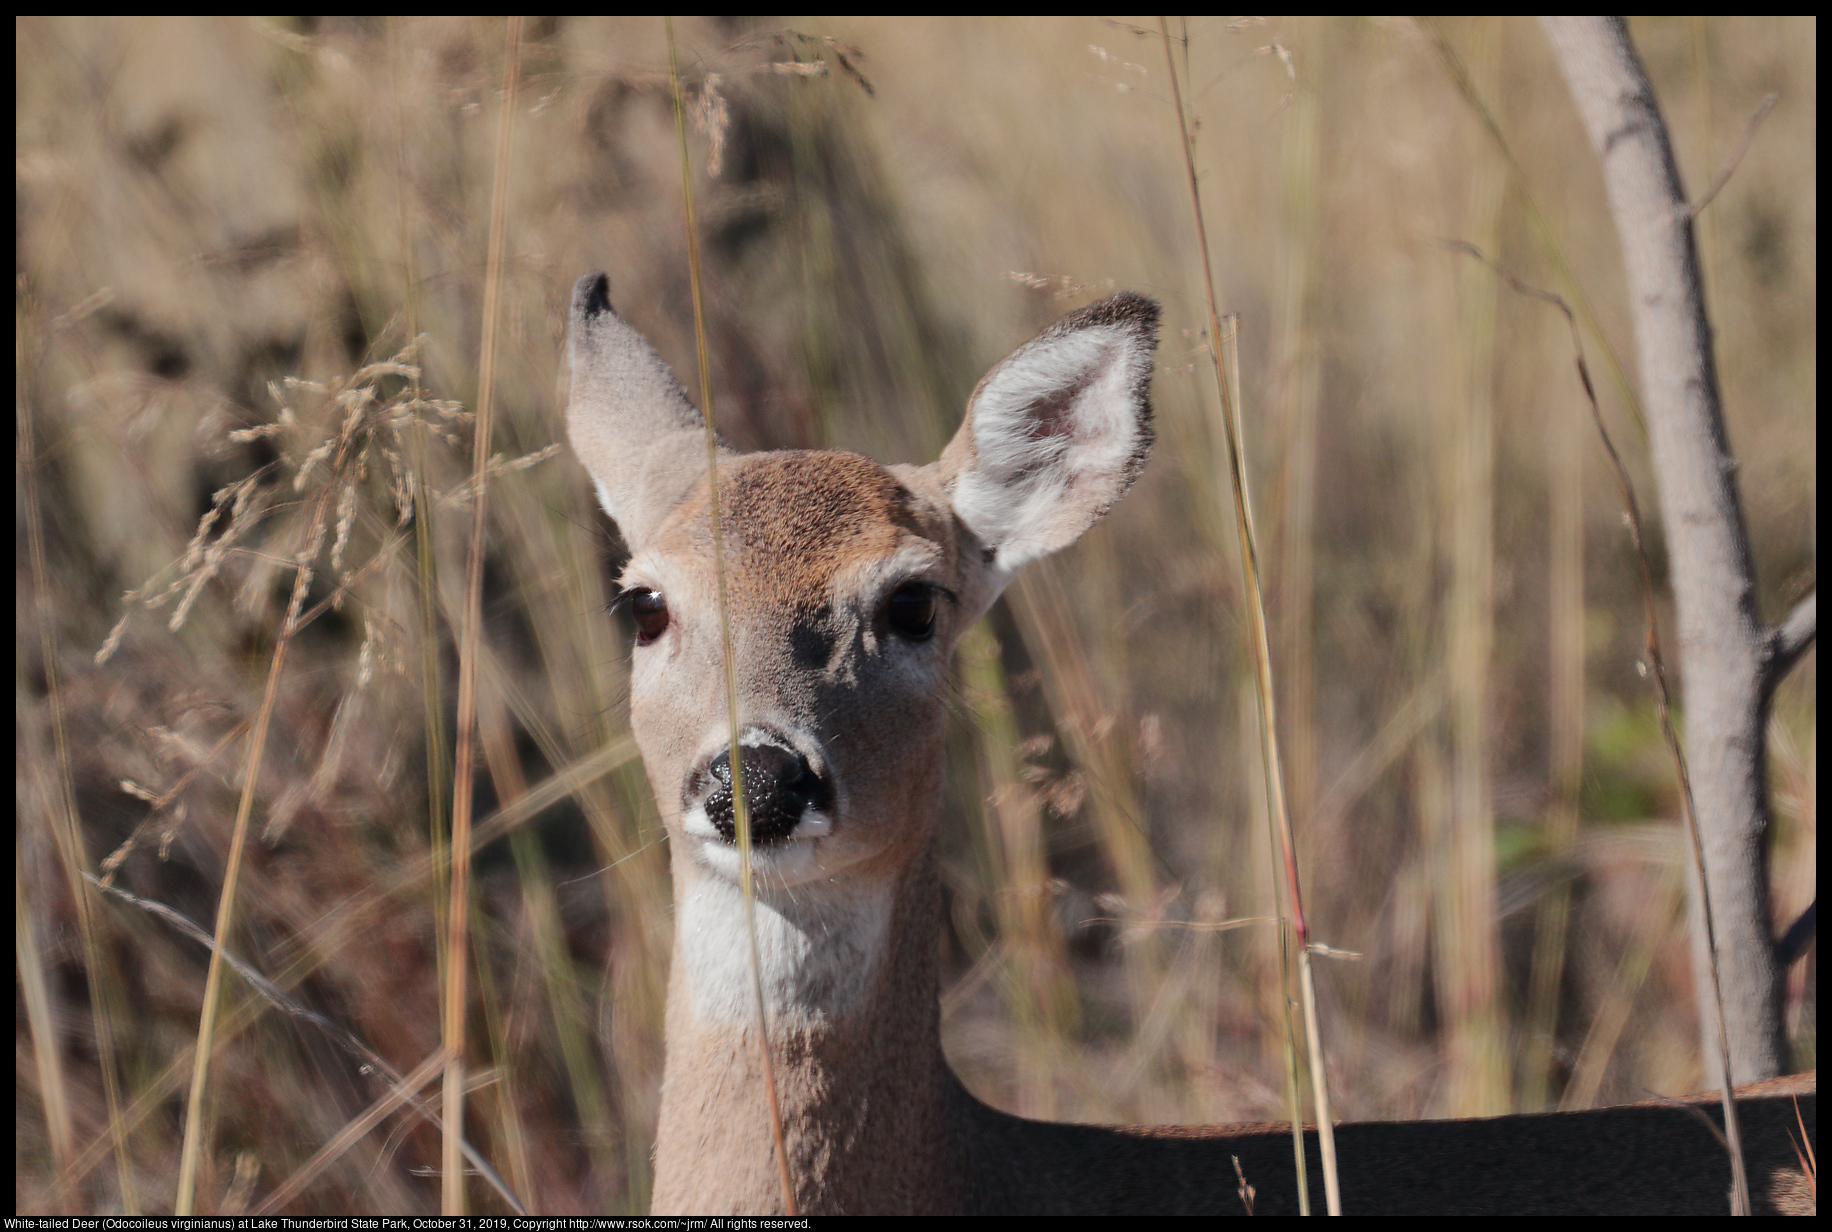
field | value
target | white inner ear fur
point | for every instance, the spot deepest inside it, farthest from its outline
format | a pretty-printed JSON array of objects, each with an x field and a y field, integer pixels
[{"x": 1055, "y": 428}]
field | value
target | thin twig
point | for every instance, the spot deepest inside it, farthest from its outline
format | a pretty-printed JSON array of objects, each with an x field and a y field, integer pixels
[
  {"x": 340, "y": 1035},
  {"x": 1460, "y": 77},
  {"x": 1654, "y": 666},
  {"x": 1736, "y": 156},
  {"x": 358, "y": 915}
]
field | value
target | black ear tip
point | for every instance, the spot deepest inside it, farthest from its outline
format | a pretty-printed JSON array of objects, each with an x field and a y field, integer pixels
[
  {"x": 1135, "y": 313},
  {"x": 1130, "y": 305},
  {"x": 592, "y": 295}
]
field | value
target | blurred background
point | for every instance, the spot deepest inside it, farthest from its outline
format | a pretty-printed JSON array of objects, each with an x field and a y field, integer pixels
[{"x": 250, "y": 273}]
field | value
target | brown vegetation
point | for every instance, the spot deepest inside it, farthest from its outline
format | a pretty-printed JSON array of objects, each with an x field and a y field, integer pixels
[{"x": 249, "y": 287}]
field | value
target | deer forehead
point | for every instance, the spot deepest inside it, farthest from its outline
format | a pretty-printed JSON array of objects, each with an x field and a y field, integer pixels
[{"x": 802, "y": 527}]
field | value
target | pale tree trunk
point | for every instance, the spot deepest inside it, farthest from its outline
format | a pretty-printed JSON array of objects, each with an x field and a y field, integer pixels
[{"x": 1729, "y": 661}]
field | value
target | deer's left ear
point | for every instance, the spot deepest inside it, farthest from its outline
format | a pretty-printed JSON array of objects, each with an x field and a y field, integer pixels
[{"x": 1055, "y": 433}]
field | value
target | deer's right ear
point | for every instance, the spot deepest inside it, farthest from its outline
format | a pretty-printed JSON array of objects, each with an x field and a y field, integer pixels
[
  {"x": 1055, "y": 433},
  {"x": 630, "y": 420}
]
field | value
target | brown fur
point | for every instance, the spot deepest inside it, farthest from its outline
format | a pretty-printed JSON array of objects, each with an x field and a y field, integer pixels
[{"x": 873, "y": 1120}]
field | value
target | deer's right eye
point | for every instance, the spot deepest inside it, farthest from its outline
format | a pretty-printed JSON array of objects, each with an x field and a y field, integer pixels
[{"x": 650, "y": 611}]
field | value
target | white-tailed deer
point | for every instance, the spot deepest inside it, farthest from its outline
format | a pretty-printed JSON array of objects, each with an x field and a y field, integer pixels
[{"x": 848, "y": 585}]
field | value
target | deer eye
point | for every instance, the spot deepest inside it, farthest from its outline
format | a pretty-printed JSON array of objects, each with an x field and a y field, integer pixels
[
  {"x": 910, "y": 611},
  {"x": 650, "y": 611}
]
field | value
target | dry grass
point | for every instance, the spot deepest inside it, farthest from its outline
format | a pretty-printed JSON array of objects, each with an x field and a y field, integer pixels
[{"x": 249, "y": 306}]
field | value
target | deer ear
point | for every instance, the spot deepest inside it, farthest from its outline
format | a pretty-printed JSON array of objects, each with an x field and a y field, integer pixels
[
  {"x": 1055, "y": 433},
  {"x": 630, "y": 420}
]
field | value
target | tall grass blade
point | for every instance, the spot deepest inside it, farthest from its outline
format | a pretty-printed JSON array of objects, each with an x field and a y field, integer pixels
[
  {"x": 457, "y": 941},
  {"x": 740, "y": 811},
  {"x": 1227, "y": 370}
]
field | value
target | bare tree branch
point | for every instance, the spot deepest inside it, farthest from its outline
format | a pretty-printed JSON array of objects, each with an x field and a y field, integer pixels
[
  {"x": 1790, "y": 640},
  {"x": 1724, "y": 649},
  {"x": 1799, "y": 935},
  {"x": 1736, "y": 156}
]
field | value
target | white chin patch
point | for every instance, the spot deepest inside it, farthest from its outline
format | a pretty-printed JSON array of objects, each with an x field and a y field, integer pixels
[
  {"x": 790, "y": 859},
  {"x": 819, "y": 948}
]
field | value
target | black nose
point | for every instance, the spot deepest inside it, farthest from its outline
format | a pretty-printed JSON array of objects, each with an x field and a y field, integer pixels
[{"x": 779, "y": 788}]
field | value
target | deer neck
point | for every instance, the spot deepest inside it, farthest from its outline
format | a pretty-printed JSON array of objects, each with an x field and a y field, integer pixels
[{"x": 849, "y": 973}]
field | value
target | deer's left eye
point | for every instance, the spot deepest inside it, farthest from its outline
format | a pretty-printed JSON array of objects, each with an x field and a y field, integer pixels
[{"x": 910, "y": 611}]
